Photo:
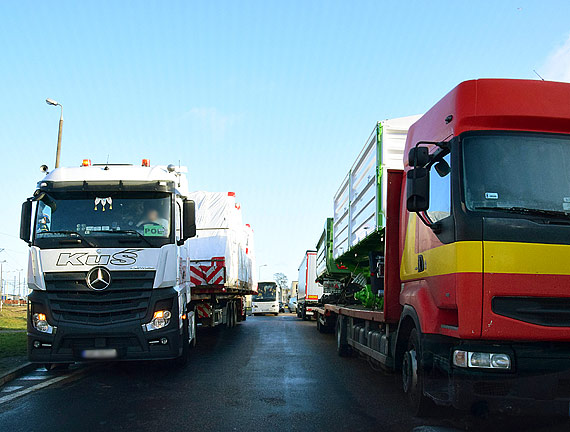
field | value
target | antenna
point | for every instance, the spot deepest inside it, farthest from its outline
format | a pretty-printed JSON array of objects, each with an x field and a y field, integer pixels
[
  {"x": 107, "y": 164},
  {"x": 537, "y": 74}
]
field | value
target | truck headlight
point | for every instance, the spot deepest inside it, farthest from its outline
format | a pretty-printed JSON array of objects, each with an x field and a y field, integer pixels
[
  {"x": 159, "y": 320},
  {"x": 469, "y": 359},
  {"x": 40, "y": 323}
]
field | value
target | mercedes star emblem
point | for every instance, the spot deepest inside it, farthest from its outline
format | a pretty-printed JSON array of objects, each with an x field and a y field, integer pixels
[{"x": 98, "y": 278}]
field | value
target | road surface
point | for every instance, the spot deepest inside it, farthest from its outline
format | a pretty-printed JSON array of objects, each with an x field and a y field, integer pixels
[{"x": 267, "y": 374}]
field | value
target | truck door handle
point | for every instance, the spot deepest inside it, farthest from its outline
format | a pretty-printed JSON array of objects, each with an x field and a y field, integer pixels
[{"x": 421, "y": 263}]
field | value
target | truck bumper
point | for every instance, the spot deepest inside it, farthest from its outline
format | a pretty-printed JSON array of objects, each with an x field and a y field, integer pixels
[
  {"x": 73, "y": 341},
  {"x": 538, "y": 382}
]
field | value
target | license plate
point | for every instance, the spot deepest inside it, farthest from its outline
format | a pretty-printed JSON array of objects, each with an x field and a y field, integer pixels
[{"x": 98, "y": 354}]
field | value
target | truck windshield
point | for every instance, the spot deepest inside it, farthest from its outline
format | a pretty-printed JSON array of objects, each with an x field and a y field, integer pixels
[
  {"x": 516, "y": 172},
  {"x": 266, "y": 292},
  {"x": 90, "y": 219}
]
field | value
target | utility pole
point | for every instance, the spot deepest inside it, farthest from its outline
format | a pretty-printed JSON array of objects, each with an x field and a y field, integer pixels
[
  {"x": 1, "y": 284},
  {"x": 19, "y": 286}
]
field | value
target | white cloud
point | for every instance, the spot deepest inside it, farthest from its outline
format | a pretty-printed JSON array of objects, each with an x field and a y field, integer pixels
[
  {"x": 210, "y": 121},
  {"x": 557, "y": 64}
]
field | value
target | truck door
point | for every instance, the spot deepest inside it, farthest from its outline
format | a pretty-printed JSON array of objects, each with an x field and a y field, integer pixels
[{"x": 431, "y": 263}]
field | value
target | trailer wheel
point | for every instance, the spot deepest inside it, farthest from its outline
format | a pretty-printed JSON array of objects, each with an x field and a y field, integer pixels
[
  {"x": 320, "y": 327},
  {"x": 234, "y": 314},
  {"x": 413, "y": 378},
  {"x": 229, "y": 313},
  {"x": 304, "y": 314},
  {"x": 342, "y": 347}
]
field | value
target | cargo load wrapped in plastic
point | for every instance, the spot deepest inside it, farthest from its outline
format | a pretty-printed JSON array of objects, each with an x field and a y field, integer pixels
[{"x": 221, "y": 254}]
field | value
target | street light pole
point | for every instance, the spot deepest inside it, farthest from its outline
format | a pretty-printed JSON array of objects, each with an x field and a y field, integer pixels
[
  {"x": 54, "y": 103},
  {"x": 259, "y": 272}
]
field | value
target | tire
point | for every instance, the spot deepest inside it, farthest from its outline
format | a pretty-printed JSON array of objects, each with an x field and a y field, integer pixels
[
  {"x": 276, "y": 314},
  {"x": 182, "y": 359},
  {"x": 229, "y": 315},
  {"x": 343, "y": 349},
  {"x": 299, "y": 313},
  {"x": 413, "y": 378},
  {"x": 234, "y": 314},
  {"x": 304, "y": 314}
]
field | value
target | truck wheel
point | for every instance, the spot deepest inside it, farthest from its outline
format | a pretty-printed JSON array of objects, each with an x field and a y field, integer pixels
[
  {"x": 193, "y": 343},
  {"x": 413, "y": 378},
  {"x": 57, "y": 366},
  {"x": 304, "y": 314},
  {"x": 298, "y": 313},
  {"x": 182, "y": 359},
  {"x": 342, "y": 347}
]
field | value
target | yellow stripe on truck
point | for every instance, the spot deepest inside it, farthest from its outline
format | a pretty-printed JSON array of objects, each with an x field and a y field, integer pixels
[
  {"x": 527, "y": 258},
  {"x": 459, "y": 257}
]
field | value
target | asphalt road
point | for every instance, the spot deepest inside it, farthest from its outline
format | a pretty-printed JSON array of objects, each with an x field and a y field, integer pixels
[{"x": 267, "y": 374}]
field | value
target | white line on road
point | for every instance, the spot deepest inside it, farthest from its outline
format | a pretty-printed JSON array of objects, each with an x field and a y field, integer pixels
[
  {"x": 33, "y": 377},
  {"x": 13, "y": 396},
  {"x": 11, "y": 389}
]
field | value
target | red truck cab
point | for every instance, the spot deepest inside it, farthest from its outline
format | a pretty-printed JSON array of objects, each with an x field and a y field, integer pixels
[{"x": 484, "y": 247}]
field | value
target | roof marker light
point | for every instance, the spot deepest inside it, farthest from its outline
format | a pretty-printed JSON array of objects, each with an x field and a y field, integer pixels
[
  {"x": 146, "y": 162},
  {"x": 86, "y": 162}
]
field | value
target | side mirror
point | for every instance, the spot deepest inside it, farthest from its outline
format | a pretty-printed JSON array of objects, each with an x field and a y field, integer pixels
[
  {"x": 26, "y": 221},
  {"x": 188, "y": 220},
  {"x": 442, "y": 168},
  {"x": 417, "y": 190},
  {"x": 418, "y": 156}
]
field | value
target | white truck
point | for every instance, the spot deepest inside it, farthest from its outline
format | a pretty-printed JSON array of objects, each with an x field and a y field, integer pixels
[
  {"x": 309, "y": 291},
  {"x": 109, "y": 264}
]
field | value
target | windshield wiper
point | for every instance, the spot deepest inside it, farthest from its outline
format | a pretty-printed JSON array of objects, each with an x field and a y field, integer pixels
[
  {"x": 80, "y": 237},
  {"x": 130, "y": 232},
  {"x": 526, "y": 210}
]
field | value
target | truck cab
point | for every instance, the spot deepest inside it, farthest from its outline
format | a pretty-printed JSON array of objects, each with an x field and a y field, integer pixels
[
  {"x": 485, "y": 244},
  {"x": 108, "y": 264}
]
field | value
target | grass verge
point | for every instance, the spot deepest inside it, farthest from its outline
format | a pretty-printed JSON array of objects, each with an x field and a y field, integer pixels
[
  {"x": 12, "y": 337},
  {"x": 13, "y": 318}
]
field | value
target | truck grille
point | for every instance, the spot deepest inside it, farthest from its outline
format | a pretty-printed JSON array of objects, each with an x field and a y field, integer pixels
[
  {"x": 126, "y": 299},
  {"x": 545, "y": 311}
]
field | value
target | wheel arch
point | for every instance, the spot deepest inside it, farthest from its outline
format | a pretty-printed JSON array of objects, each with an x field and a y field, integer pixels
[{"x": 408, "y": 321}]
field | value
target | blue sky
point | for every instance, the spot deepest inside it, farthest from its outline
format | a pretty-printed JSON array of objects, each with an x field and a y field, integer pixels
[{"x": 272, "y": 100}]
